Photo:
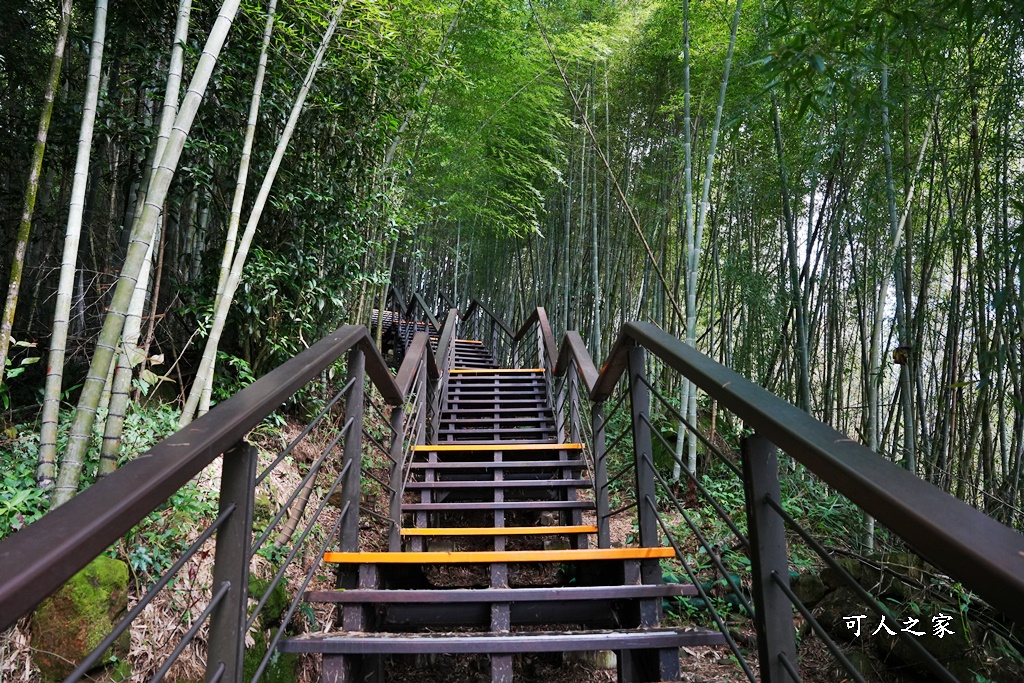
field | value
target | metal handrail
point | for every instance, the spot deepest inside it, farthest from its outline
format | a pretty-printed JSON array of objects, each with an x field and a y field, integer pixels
[
  {"x": 574, "y": 351},
  {"x": 984, "y": 555},
  {"x": 37, "y": 560},
  {"x": 418, "y": 299}
]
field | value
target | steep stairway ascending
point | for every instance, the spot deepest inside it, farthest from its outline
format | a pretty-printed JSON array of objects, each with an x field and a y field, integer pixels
[{"x": 497, "y": 559}]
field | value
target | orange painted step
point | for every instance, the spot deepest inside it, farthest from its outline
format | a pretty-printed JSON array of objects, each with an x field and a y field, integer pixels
[{"x": 486, "y": 556}]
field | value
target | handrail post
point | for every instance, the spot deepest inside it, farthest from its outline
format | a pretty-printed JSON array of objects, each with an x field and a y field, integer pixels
[
  {"x": 423, "y": 398},
  {"x": 773, "y": 613},
  {"x": 226, "y": 644},
  {"x": 574, "y": 407},
  {"x": 604, "y": 537},
  {"x": 640, "y": 408},
  {"x": 498, "y": 353},
  {"x": 350, "y": 487},
  {"x": 396, "y": 480},
  {"x": 541, "y": 359}
]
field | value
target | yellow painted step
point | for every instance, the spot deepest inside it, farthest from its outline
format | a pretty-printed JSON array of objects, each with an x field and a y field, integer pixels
[
  {"x": 499, "y": 556},
  {"x": 502, "y": 446},
  {"x": 499, "y": 531},
  {"x": 469, "y": 341}
]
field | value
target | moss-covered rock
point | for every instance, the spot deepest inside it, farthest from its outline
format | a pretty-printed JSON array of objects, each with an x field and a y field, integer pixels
[
  {"x": 282, "y": 668},
  {"x": 276, "y": 605},
  {"x": 74, "y": 620},
  {"x": 809, "y": 588},
  {"x": 955, "y": 650},
  {"x": 833, "y": 579},
  {"x": 834, "y": 611}
]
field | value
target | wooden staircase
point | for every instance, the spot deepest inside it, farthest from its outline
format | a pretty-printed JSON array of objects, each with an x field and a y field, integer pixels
[{"x": 497, "y": 559}]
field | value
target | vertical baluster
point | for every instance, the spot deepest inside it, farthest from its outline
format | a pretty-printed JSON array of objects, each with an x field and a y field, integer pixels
[
  {"x": 640, "y": 407},
  {"x": 231, "y": 564},
  {"x": 397, "y": 479},
  {"x": 350, "y": 488},
  {"x": 600, "y": 475},
  {"x": 574, "y": 405},
  {"x": 773, "y": 616}
]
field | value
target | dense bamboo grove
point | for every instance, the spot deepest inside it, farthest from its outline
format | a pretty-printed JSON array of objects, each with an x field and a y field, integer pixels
[{"x": 824, "y": 196}]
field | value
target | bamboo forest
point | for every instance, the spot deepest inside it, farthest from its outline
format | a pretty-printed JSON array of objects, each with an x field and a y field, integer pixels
[{"x": 465, "y": 340}]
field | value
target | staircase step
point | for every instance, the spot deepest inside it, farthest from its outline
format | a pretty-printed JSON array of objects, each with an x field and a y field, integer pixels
[
  {"x": 500, "y": 531},
  {"x": 505, "y": 505},
  {"x": 496, "y": 372},
  {"x": 487, "y": 595},
  {"x": 499, "y": 465},
  {"x": 506, "y": 484},
  {"x": 488, "y": 556},
  {"x": 528, "y": 419},
  {"x": 499, "y": 643},
  {"x": 438, "y": 448},
  {"x": 498, "y": 434},
  {"x": 488, "y": 412}
]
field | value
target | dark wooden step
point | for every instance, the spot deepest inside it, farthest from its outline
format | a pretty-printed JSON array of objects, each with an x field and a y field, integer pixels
[
  {"x": 496, "y": 434},
  {"x": 489, "y": 595},
  {"x": 501, "y": 465},
  {"x": 501, "y": 411},
  {"x": 506, "y": 505},
  {"x": 498, "y": 375},
  {"x": 496, "y": 396},
  {"x": 438, "y": 531},
  {"x": 483, "y": 447},
  {"x": 480, "y": 379},
  {"x": 499, "y": 643},
  {"x": 504, "y": 484},
  {"x": 520, "y": 477},
  {"x": 521, "y": 429},
  {"x": 526, "y": 417},
  {"x": 488, "y": 556}
]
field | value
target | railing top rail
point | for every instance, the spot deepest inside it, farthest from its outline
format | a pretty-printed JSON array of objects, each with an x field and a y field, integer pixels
[
  {"x": 986, "y": 556},
  {"x": 399, "y": 299},
  {"x": 418, "y": 349},
  {"x": 447, "y": 300},
  {"x": 418, "y": 298},
  {"x": 40, "y": 558},
  {"x": 445, "y": 340},
  {"x": 475, "y": 304},
  {"x": 575, "y": 351},
  {"x": 538, "y": 316}
]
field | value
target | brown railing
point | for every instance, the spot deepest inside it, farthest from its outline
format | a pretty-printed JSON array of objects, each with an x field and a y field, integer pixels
[
  {"x": 614, "y": 411},
  {"x": 39, "y": 559},
  {"x": 968, "y": 548}
]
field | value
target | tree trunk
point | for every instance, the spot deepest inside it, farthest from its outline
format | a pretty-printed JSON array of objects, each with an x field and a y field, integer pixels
[{"x": 69, "y": 260}]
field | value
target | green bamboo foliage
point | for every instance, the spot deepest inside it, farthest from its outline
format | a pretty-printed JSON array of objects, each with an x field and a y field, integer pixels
[
  {"x": 85, "y": 415},
  {"x": 32, "y": 187},
  {"x": 238, "y": 264},
  {"x": 695, "y": 240},
  {"x": 69, "y": 261},
  {"x": 236, "y": 202}
]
